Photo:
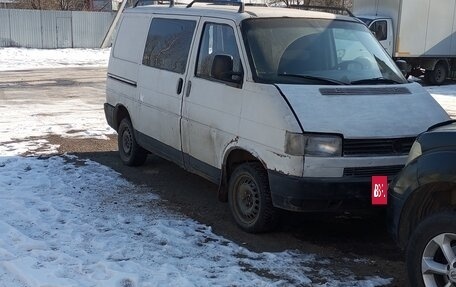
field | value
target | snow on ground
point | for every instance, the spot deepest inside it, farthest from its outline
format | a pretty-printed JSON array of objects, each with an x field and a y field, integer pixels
[
  {"x": 26, "y": 59},
  {"x": 446, "y": 96},
  {"x": 24, "y": 122},
  {"x": 67, "y": 222},
  {"x": 71, "y": 222}
]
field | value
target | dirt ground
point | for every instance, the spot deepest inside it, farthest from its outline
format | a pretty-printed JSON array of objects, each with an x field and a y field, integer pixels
[{"x": 355, "y": 243}]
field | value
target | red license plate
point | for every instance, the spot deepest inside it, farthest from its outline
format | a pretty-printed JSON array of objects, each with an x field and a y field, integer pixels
[{"x": 379, "y": 190}]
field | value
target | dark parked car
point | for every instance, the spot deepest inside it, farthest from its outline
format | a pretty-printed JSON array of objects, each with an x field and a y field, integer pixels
[{"x": 422, "y": 208}]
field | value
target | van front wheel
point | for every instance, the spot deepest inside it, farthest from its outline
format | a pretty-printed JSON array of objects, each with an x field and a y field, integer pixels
[
  {"x": 130, "y": 152},
  {"x": 250, "y": 199}
]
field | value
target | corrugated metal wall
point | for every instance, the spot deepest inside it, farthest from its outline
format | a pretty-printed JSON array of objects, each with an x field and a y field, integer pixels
[
  {"x": 5, "y": 33},
  {"x": 25, "y": 28},
  {"x": 53, "y": 29},
  {"x": 83, "y": 33}
]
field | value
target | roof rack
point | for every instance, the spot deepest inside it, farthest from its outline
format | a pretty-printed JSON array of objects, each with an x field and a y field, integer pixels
[
  {"x": 218, "y": 2},
  {"x": 331, "y": 9}
]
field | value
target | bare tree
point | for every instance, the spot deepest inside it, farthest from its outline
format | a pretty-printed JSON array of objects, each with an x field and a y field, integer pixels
[{"x": 69, "y": 5}]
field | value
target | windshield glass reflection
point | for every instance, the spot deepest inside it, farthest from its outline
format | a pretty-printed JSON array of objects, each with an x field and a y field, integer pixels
[{"x": 317, "y": 51}]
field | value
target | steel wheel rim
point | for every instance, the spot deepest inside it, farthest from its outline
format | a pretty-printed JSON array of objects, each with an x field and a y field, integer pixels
[
  {"x": 127, "y": 141},
  {"x": 438, "y": 263},
  {"x": 247, "y": 199}
]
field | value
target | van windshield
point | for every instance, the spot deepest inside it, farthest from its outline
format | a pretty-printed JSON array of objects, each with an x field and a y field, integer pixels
[{"x": 316, "y": 51}]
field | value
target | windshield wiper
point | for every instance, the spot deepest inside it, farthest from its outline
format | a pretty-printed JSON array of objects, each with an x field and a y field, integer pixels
[
  {"x": 379, "y": 80},
  {"x": 316, "y": 78}
]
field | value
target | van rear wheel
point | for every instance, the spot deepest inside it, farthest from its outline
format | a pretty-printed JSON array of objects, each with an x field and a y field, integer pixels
[
  {"x": 130, "y": 152},
  {"x": 250, "y": 199}
]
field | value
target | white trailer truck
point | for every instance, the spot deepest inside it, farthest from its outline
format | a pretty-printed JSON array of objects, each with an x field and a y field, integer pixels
[{"x": 421, "y": 32}]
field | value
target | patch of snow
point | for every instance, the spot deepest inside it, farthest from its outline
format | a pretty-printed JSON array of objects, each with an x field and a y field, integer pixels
[
  {"x": 26, "y": 59},
  {"x": 24, "y": 123},
  {"x": 68, "y": 222},
  {"x": 445, "y": 95},
  {"x": 368, "y": 282}
]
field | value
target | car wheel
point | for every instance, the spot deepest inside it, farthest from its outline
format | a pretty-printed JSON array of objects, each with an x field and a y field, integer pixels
[
  {"x": 431, "y": 252},
  {"x": 250, "y": 199},
  {"x": 439, "y": 74},
  {"x": 130, "y": 152}
]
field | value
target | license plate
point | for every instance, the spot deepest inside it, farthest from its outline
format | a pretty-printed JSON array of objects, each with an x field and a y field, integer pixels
[{"x": 379, "y": 190}]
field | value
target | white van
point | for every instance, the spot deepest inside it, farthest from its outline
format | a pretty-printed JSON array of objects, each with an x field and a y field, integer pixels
[{"x": 282, "y": 108}]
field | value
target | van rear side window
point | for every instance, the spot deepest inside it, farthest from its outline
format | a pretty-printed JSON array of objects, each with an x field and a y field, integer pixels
[{"x": 168, "y": 44}]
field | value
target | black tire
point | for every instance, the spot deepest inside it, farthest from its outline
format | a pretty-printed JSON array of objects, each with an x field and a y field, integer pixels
[
  {"x": 130, "y": 152},
  {"x": 439, "y": 74},
  {"x": 422, "y": 245},
  {"x": 427, "y": 77},
  {"x": 250, "y": 199}
]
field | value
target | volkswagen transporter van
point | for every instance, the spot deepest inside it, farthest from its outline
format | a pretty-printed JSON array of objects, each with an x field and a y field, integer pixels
[{"x": 282, "y": 108}]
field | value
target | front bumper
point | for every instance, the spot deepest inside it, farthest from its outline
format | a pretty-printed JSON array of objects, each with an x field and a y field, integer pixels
[
  {"x": 109, "y": 114},
  {"x": 398, "y": 216},
  {"x": 320, "y": 194},
  {"x": 394, "y": 209}
]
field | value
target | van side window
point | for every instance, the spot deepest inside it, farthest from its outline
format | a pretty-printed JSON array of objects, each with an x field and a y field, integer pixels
[
  {"x": 380, "y": 29},
  {"x": 168, "y": 44},
  {"x": 217, "y": 39}
]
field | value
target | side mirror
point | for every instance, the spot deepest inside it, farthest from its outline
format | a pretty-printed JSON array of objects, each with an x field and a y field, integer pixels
[
  {"x": 403, "y": 66},
  {"x": 222, "y": 69}
]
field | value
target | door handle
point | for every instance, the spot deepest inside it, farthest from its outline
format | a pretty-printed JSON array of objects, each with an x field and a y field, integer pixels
[
  {"x": 189, "y": 88},
  {"x": 180, "y": 84}
]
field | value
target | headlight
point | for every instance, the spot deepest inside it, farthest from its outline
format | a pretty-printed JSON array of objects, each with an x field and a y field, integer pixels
[
  {"x": 415, "y": 152},
  {"x": 313, "y": 145}
]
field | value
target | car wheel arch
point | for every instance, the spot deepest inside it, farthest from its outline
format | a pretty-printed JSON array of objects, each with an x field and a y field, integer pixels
[
  {"x": 234, "y": 156},
  {"x": 120, "y": 113},
  {"x": 428, "y": 199}
]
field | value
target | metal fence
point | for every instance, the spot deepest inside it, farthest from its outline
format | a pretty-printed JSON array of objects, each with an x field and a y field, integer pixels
[{"x": 53, "y": 29}]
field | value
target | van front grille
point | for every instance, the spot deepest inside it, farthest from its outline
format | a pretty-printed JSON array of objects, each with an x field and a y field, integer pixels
[
  {"x": 377, "y": 147},
  {"x": 372, "y": 171}
]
